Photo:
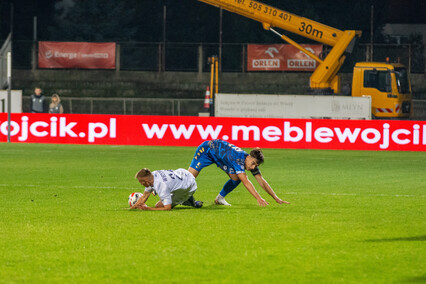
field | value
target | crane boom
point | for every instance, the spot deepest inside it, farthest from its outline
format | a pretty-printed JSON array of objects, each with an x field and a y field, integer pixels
[
  {"x": 325, "y": 76},
  {"x": 274, "y": 17}
]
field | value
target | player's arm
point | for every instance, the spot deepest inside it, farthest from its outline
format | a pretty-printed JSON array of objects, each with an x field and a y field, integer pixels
[
  {"x": 141, "y": 201},
  {"x": 167, "y": 207},
  {"x": 265, "y": 185},
  {"x": 165, "y": 203},
  {"x": 247, "y": 183}
]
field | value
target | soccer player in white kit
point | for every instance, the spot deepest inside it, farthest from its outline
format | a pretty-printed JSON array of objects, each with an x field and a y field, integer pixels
[{"x": 174, "y": 187}]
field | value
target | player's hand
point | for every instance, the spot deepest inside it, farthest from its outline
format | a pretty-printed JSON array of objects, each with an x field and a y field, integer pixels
[
  {"x": 141, "y": 206},
  {"x": 280, "y": 201},
  {"x": 262, "y": 202}
]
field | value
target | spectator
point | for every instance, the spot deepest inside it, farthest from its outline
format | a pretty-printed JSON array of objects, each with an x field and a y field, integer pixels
[
  {"x": 55, "y": 104},
  {"x": 37, "y": 103}
]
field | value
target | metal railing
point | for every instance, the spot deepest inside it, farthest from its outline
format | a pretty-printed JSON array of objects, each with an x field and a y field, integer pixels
[
  {"x": 419, "y": 110},
  {"x": 128, "y": 106},
  {"x": 152, "y": 106},
  {"x": 192, "y": 57}
]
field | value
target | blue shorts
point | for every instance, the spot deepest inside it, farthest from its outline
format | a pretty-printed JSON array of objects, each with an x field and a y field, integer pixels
[{"x": 203, "y": 158}]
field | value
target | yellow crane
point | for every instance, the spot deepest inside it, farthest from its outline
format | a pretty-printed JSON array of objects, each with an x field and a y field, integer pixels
[{"x": 394, "y": 99}]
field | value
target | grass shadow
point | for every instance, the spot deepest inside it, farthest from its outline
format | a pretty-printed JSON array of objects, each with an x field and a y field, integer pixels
[
  {"x": 418, "y": 279},
  {"x": 205, "y": 207},
  {"x": 179, "y": 208},
  {"x": 405, "y": 239}
]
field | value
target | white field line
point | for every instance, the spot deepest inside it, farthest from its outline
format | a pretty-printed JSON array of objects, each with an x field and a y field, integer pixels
[
  {"x": 64, "y": 186},
  {"x": 286, "y": 193},
  {"x": 354, "y": 194}
]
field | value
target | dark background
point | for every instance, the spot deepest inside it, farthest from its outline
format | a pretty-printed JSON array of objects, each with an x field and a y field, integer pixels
[{"x": 188, "y": 20}]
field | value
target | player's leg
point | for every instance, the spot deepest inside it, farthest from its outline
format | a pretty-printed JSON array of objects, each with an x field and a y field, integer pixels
[
  {"x": 191, "y": 200},
  {"x": 193, "y": 171},
  {"x": 229, "y": 186},
  {"x": 201, "y": 159},
  {"x": 186, "y": 196},
  {"x": 193, "y": 203}
]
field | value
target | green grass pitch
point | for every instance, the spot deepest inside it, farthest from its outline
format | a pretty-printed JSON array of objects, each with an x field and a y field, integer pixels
[{"x": 354, "y": 217}]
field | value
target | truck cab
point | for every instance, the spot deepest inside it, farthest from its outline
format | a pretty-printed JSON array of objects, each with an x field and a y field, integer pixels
[{"x": 388, "y": 86}]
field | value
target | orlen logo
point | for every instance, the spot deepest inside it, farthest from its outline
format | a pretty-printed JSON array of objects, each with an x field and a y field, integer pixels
[
  {"x": 48, "y": 54},
  {"x": 272, "y": 51},
  {"x": 59, "y": 128},
  {"x": 303, "y": 63},
  {"x": 267, "y": 63},
  {"x": 308, "y": 49}
]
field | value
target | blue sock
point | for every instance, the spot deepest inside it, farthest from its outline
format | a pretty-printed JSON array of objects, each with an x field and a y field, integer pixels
[{"x": 229, "y": 186}]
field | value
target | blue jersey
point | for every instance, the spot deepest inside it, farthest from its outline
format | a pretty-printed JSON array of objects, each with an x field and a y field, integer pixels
[{"x": 228, "y": 157}]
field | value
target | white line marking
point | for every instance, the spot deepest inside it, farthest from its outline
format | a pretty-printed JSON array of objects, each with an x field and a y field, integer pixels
[
  {"x": 286, "y": 193},
  {"x": 354, "y": 194},
  {"x": 64, "y": 186}
]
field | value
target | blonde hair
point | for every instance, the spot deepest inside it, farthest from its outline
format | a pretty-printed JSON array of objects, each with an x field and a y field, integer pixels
[
  {"x": 56, "y": 96},
  {"x": 145, "y": 172}
]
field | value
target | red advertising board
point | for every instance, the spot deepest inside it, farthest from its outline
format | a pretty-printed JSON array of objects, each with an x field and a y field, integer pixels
[
  {"x": 281, "y": 57},
  {"x": 191, "y": 131},
  {"x": 84, "y": 55}
]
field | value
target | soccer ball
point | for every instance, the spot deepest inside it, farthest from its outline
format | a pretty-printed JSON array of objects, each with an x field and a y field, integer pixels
[{"x": 133, "y": 198}]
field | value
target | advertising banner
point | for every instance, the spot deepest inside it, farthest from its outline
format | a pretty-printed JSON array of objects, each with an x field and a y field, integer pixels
[
  {"x": 281, "y": 57},
  {"x": 292, "y": 106},
  {"x": 192, "y": 131},
  {"x": 84, "y": 55}
]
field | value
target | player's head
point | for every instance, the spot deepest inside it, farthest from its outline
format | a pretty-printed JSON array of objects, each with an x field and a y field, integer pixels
[
  {"x": 145, "y": 177},
  {"x": 258, "y": 155},
  {"x": 254, "y": 159}
]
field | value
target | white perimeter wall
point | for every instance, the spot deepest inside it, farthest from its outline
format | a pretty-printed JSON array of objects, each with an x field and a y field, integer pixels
[
  {"x": 16, "y": 96},
  {"x": 292, "y": 106}
]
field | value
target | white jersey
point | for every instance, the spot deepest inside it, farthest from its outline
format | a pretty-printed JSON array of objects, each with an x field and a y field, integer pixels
[{"x": 173, "y": 186}]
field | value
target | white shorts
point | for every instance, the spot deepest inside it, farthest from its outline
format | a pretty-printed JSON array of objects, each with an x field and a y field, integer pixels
[{"x": 179, "y": 196}]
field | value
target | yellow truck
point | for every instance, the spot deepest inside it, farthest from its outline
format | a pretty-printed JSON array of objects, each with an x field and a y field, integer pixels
[{"x": 386, "y": 83}]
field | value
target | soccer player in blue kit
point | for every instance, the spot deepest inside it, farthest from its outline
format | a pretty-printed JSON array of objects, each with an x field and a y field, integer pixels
[{"x": 233, "y": 161}]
